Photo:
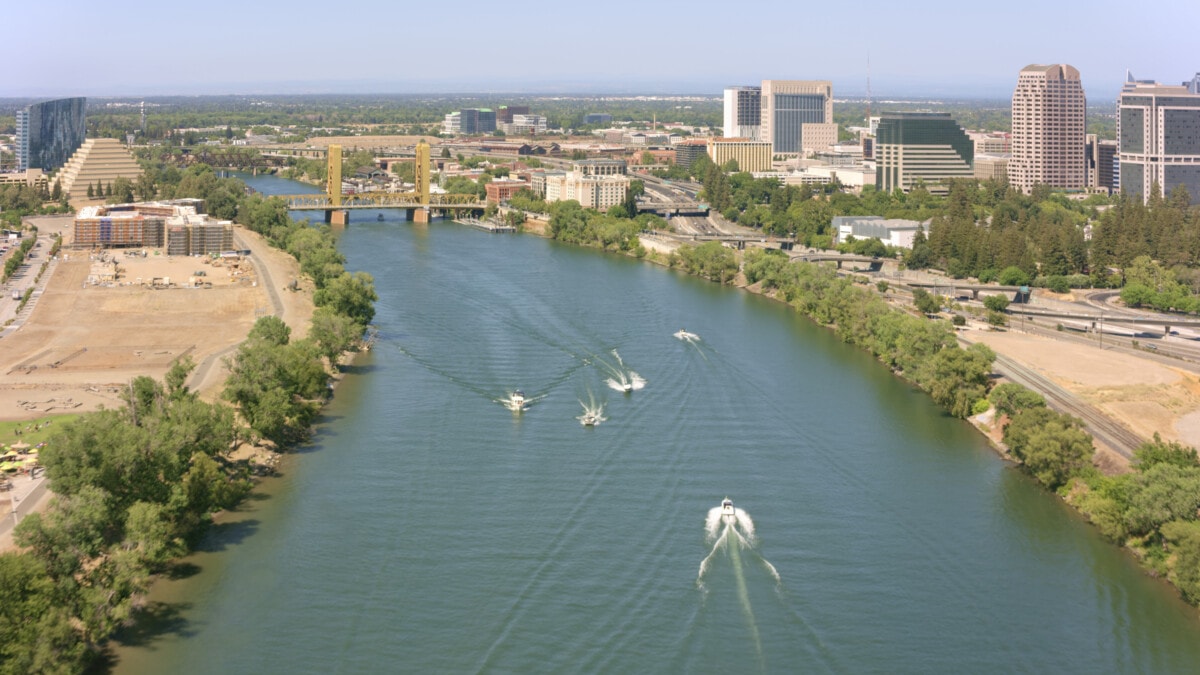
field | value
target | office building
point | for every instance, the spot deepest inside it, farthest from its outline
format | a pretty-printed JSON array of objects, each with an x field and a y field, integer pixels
[
  {"x": 477, "y": 121},
  {"x": 1048, "y": 112},
  {"x": 1158, "y": 136},
  {"x": 743, "y": 112},
  {"x": 926, "y": 149},
  {"x": 797, "y": 116},
  {"x": 991, "y": 143},
  {"x": 991, "y": 167},
  {"x": 687, "y": 152},
  {"x": 99, "y": 161},
  {"x": 452, "y": 124},
  {"x": 1100, "y": 157},
  {"x": 506, "y": 113},
  {"x": 48, "y": 132},
  {"x": 597, "y": 118},
  {"x": 750, "y": 155}
]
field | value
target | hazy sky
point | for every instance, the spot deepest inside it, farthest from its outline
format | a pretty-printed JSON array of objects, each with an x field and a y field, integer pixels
[{"x": 963, "y": 48}]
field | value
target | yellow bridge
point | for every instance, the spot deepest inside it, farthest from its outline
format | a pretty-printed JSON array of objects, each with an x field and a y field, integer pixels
[{"x": 419, "y": 202}]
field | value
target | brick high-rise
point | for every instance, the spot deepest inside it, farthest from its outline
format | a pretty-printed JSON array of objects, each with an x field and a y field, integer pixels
[{"x": 1048, "y": 111}]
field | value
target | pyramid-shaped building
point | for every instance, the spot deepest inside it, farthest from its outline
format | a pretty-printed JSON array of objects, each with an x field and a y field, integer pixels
[{"x": 98, "y": 159}]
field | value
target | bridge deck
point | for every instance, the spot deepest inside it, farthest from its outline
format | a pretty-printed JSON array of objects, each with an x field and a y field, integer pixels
[{"x": 381, "y": 200}]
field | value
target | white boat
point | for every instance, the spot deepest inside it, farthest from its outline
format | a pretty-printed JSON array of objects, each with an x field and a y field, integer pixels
[
  {"x": 728, "y": 513},
  {"x": 684, "y": 335},
  {"x": 589, "y": 419},
  {"x": 515, "y": 401}
]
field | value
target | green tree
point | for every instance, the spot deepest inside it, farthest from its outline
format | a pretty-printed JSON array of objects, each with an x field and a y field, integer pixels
[
  {"x": 925, "y": 302},
  {"x": 1054, "y": 447},
  {"x": 1011, "y": 398},
  {"x": 351, "y": 295},
  {"x": 996, "y": 303},
  {"x": 334, "y": 333}
]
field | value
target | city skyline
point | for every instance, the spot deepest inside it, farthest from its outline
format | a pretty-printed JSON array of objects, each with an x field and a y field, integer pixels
[{"x": 238, "y": 49}]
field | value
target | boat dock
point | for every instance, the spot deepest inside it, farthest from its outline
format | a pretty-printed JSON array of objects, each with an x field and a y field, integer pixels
[{"x": 488, "y": 225}]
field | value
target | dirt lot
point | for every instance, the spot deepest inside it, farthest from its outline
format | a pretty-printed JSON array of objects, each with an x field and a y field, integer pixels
[
  {"x": 83, "y": 342},
  {"x": 1142, "y": 394}
]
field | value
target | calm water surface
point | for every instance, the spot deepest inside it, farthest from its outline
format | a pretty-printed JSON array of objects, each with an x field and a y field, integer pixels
[{"x": 428, "y": 529}]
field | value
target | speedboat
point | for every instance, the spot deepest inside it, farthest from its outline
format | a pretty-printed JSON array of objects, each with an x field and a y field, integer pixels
[
  {"x": 684, "y": 335},
  {"x": 589, "y": 419},
  {"x": 727, "y": 511}
]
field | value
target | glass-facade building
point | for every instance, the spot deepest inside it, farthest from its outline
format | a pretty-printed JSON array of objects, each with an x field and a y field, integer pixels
[
  {"x": 478, "y": 120},
  {"x": 926, "y": 149},
  {"x": 797, "y": 116},
  {"x": 49, "y": 133},
  {"x": 1158, "y": 136},
  {"x": 791, "y": 112}
]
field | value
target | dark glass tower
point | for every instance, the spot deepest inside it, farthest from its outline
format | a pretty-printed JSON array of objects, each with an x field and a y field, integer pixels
[{"x": 49, "y": 132}]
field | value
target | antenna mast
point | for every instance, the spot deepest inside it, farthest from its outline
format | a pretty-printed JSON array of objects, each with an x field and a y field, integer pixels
[{"x": 868, "y": 89}]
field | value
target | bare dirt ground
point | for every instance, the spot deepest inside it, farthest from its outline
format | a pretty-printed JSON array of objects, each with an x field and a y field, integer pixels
[
  {"x": 82, "y": 342},
  {"x": 1144, "y": 395}
]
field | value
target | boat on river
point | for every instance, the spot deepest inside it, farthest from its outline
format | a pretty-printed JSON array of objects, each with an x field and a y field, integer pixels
[
  {"x": 728, "y": 513},
  {"x": 684, "y": 335},
  {"x": 516, "y": 401}
]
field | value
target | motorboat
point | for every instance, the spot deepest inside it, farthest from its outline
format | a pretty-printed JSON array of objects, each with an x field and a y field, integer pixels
[
  {"x": 684, "y": 335},
  {"x": 727, "y": 511},
  {"x": 379, "y": 217},
  {"x": 589, "y": 419},
  {"x": 516, "y": 401}
]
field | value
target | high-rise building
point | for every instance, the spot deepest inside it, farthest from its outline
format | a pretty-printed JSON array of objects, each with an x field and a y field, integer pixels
[
  {"x": 1158, "y": 137},
  {"x": 1048, "y": 112},
  {"x": 743, "y": 112},
  {"x": 1100, "y": 157},
  {"x": 48, "y": 132},
  {"x": 927, "y": 149},
  {"x": 597, "y": 118},
  {"x": 797, "y": 116}
]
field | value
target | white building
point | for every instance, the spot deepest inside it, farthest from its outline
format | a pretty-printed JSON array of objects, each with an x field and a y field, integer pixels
[
  {"x": 452, "y": 124},
  {"x": 891, "y": 231}
]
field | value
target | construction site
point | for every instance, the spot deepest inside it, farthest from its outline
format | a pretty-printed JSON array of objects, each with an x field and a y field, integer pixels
[{"x": 107, "y": 316}]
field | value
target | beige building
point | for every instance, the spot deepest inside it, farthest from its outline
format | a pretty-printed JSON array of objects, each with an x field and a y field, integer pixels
[
  {"x": 991, "y": 166},
  {"x": 991, "y": 143},
  {"x": 1048, "y": 111},
  {"x": 750, "y": 155},
  {"x": 98, "y": 159},
  {"x": 31, "y": 177},
  {"x": 591, "y": 191},
  {"x": 797, "y": 116}
]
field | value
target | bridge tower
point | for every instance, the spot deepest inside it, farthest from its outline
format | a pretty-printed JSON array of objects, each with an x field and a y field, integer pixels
[
  {"x": 421, "y": 170},
  {"x": 333, "y": 185}
]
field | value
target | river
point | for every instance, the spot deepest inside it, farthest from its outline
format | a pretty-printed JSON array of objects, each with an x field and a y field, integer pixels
[{"x": 429, "y": 529}]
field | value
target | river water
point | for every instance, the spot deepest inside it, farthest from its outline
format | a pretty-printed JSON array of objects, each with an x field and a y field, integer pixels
[{"x": 428, "y": 529}]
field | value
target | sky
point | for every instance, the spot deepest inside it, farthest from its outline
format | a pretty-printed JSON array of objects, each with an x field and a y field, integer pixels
[{"x": 918, "y": 48}]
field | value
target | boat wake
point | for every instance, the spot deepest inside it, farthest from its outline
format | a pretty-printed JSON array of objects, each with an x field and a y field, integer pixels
[
  {"x": 593, "y": 414},
  {"x": 686, "y": 336},
  {"x": 731, "y": 531},
  {"x": 622, "y": 379}
]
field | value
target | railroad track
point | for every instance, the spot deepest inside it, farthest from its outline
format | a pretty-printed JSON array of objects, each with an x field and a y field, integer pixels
[{"x": 1106, "y": 430}]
